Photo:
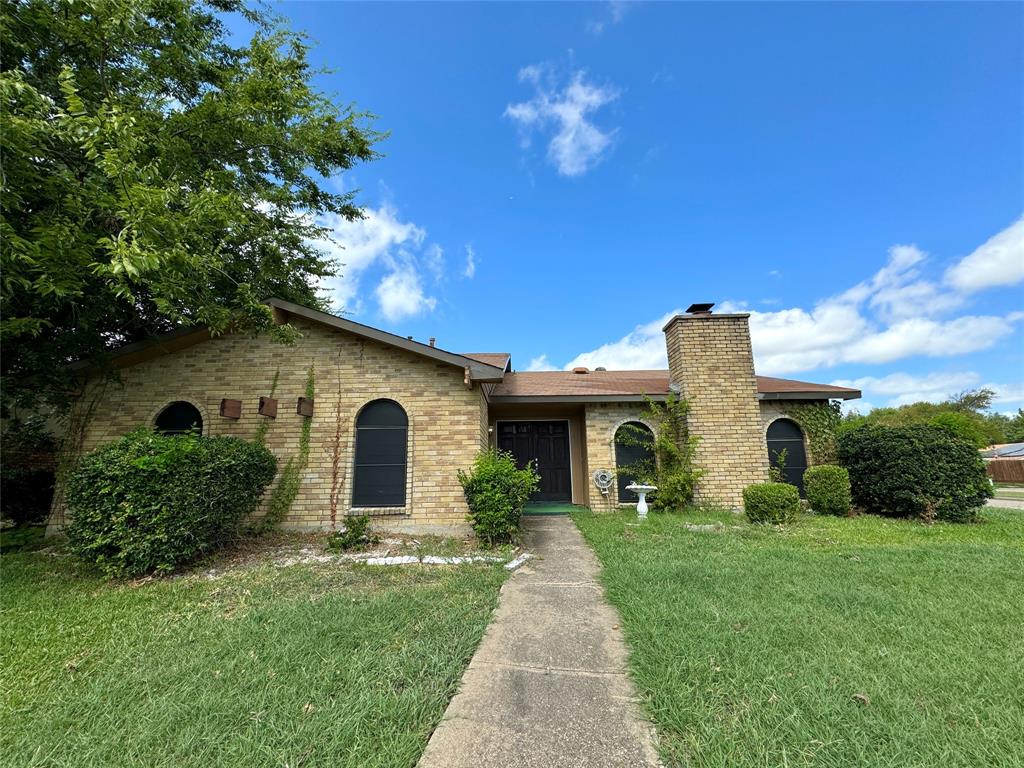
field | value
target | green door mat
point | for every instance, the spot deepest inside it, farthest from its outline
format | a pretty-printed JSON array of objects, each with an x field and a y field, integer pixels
[{"x": 541, "y": 508}]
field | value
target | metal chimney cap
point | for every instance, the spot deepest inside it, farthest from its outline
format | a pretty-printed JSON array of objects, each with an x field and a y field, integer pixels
[{"x": 700, "y": 309}]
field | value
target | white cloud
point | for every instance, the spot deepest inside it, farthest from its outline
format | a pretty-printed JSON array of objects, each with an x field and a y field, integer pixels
[
  {"x": 617, "y": 10},
  {"x": 1000, "y": 261},
  {"x": 903, "y": 388},
  {"x": 1007, "y": 393},
  {"x": 381, "y": 240},
  {"x": 470, "y": 271},
  {"x": 540, "y": 363},
  {"x": 401, "y": 295},
  {"x": 641, "y": 349},
  {"x": 896, "y": 314},
  {"x": 433, "y": 258},
  {"x": 576, "y": 144}
]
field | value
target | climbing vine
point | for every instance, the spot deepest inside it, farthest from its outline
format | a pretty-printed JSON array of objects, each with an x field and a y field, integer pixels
[
  {"x": 287, "y": 488},
  {"x": 336, "y": 461},
  {"x": 819, "y": 422},
  {"x": 261, "y": 430},
  {"x": 673, "y": 468}
]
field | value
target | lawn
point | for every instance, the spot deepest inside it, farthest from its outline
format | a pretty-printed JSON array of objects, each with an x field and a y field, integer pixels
[
  {"x": 314, "y": 664},
  {"x": 834, "y": 642}
]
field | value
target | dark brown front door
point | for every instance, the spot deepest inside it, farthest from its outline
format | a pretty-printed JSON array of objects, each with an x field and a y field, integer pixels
[{"x": 546, "y": 443}]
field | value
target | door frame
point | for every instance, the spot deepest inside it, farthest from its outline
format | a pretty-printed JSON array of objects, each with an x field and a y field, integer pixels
[{"x": 568, "y": 432}]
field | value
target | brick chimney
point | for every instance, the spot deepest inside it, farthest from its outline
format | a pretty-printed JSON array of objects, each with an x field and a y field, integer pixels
[{"x": 711, "y": 362}]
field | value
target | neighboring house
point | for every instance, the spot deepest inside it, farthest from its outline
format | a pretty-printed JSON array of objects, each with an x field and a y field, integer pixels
[
  {"x": 1005, "y": 463},
  {"x": 393, "y": 419}
]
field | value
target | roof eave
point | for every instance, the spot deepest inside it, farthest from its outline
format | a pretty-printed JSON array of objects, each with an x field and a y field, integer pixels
[
  {"x": 849, "y": 394},
  {"x": 477, "y": 371},
  {"x": 511, "y": 399}
]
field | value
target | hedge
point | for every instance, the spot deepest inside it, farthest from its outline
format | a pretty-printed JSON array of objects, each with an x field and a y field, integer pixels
[
  {"x": 919, "y": 471},
  {"x": 771, "y": 502},
  {"x": 828, "y": 489},
  {"x": 150, "y": 502}
]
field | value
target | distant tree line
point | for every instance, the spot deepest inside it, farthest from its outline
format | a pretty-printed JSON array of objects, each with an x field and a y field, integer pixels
[{"x": 967, "y": 415}]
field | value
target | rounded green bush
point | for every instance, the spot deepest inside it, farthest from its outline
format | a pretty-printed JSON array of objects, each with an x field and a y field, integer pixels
[
  {"x": 149, "y": 502},
  {"x": 828, "y": 489},
  {"x": 771, "y": 502},
  {"x": 496, "y": 492},
  {"x": 918, "y": 471}
]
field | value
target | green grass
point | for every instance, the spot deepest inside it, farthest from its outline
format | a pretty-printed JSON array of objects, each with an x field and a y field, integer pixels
[
  {"x": 751, "y": 645},
  {"x": 311, "y": 665}
]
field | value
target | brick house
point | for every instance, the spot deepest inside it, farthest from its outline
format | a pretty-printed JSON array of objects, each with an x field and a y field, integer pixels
[{"x": 392, "y": 419}]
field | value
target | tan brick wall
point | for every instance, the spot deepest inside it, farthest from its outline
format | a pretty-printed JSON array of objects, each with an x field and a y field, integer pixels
[
  {"x": 601, "y": 422},
  {"x": 710, "y": 357},
  {"x": 447, "y": 421}
]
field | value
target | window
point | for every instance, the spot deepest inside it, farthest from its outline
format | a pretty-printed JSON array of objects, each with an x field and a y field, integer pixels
[
  {"x": 382, "y": 436},
  {"x": 179, "y": 417},
  {"x": 634, "y": 455}
]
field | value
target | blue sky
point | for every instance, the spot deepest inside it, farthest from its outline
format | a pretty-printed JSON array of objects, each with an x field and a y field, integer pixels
[{"x": 560, "y": 177}]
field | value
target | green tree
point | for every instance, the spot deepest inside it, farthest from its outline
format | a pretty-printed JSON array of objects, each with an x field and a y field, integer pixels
[
  {"x": 156, "y": 173},
  {"x": 963, "y": 414}
]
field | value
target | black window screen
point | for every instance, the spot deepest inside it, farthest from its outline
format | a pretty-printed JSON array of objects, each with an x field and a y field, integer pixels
[
  {"x": 382, "y": 436},
  {"x": 178, "y": 418}
]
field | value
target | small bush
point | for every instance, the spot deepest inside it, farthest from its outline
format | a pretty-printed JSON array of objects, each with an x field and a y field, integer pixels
[
  {"x": 149, "y": 502},
  {"x": 496, "y": 492},
  {"x": 355, "y": 534},
  {"x": 771, "y": 502},
  {"x": 828, "y": 489},
  {"x": 919, "y": 471}
]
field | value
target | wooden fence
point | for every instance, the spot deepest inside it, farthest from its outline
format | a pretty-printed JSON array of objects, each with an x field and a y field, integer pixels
[{"x": 1006, "y": 470}]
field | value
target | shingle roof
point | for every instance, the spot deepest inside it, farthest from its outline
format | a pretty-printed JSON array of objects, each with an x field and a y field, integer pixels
[
  {"x": 548, "y": 383},
  {"x": 497, "y": 359},
  {"x": 605, "y": 384},
  {"x": 770, "y": 385}
]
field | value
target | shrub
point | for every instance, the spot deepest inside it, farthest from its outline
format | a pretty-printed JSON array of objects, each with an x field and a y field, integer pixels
[
  {"x": 356, "y": 533},
  {"x": 771, "y": 502},
  {"x": 828, "y": 489},
  {"x": 914, "y": 471},
  {"x": 149, "y": 502},
  {"x": 496, "y": 492}
]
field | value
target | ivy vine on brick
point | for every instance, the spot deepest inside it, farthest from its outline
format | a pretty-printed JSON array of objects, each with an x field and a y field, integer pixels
[
  {"x": 819, "y": 422},
  {"x": 283, "y": 495}
]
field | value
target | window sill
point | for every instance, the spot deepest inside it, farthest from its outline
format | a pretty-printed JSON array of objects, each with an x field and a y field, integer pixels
[{"x": 378, "y": 511}]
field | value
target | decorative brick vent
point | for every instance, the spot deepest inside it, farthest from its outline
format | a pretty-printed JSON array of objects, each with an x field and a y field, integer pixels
[{"x": 231, "y": 409}]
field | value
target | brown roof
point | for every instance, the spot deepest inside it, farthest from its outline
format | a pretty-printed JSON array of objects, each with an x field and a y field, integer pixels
[
  {"x": 607, "y": 385},
  {"x": 497, "y": 359},
  {"x": 768, "y": 385},
  {"x": 549, "y": 383}
]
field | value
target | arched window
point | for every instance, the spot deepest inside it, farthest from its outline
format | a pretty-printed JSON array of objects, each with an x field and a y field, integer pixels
[
  {"x": 179, "y": 417},
  {"x": 634, "y": 456},
  {"x": 382, "y": 436},
  {"x": 786, "y": 435}
]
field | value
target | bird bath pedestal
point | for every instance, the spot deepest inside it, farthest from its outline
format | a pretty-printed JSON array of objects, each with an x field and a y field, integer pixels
[{"x": 641, "y": 491}]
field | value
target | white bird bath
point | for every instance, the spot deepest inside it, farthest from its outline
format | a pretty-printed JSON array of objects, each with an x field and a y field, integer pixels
[{"x": 641, "y": 491}]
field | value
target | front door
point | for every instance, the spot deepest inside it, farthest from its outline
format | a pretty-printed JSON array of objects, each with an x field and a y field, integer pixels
[{"x": 546, "y": 443}]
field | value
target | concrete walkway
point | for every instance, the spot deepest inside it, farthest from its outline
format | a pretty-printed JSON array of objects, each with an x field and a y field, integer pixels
[
  {"x": 1006, "y": 503},
  {"x": 547, "y": 687}
]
